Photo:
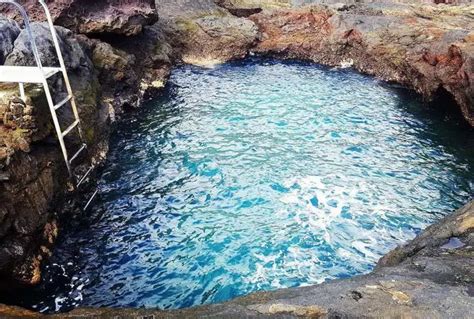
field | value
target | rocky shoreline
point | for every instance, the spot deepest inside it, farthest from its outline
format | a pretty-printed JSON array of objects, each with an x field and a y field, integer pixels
[
  {"x": 429, "y": 277},
  {"x": 116, "y": 64}
]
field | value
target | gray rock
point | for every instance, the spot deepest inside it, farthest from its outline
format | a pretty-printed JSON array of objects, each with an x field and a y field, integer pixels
[
  {"x": 74, "y": 55},
  {"x": 178, "y": 8},
  {"x": 9, "y": 31},
  {"x": 80, "y": 68},
  {"x": 204, "y": 33}
]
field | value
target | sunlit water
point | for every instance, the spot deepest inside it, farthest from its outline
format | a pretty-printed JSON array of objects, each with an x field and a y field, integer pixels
[{"x": 257, "y": 176}]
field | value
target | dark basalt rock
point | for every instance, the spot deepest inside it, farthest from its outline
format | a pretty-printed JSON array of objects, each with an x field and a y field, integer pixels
[
  {"x": 9, "y": 31},
  {"x": 244, "y": 12},
  {"x": 32, "y": 173},
  {"x": 35, "y": 173},
  {"x": 92, "y": 17},
  {"x": 80, "y": 69},
  {"x": 241, "y": 12},
  {"x": 131, "y": 69}
]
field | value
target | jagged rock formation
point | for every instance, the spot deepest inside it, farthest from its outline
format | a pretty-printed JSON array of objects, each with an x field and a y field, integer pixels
[
  {"x": 132, "y": 68},
  {"x": 106, "y": 79},
  {"x": 92, "y": 17},
  {"x": 427, "y": 48},
  {"x": 9, "y": 31},
  {"x": 33, "y": 169}
]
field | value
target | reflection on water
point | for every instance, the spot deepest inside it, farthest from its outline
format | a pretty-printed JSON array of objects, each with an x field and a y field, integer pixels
[{"x": 257, "y": 176}]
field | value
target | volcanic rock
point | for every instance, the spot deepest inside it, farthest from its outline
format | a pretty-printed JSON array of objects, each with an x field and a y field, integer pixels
[{"x": 97, "y": 17}]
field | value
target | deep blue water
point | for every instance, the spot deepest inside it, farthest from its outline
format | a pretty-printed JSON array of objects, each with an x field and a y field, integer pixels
[{"x": 258, "y": 175}]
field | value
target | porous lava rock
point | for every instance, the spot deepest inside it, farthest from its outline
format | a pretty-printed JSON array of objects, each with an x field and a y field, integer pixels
[
  {"x": 92, "y": 17},
  {"x": 31, "y": 164}
]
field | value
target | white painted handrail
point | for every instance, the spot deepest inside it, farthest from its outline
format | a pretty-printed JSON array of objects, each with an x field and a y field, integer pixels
[
  {"x": 26, "y": 21},
  {"x": 61, "y": 63}
]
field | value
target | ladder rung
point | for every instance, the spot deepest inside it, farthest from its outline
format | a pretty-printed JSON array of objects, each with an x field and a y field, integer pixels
[
  {"x": 90, "y": 199},
  {"x": 67, "y": 99},
  {"x": 83, "y": 147},
  {"x": 85, "y": 176},
  {"x": 70, "y": 128}
]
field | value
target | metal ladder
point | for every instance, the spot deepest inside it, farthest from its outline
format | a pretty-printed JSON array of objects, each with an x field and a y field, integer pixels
[{"x": 40, "y": 75}]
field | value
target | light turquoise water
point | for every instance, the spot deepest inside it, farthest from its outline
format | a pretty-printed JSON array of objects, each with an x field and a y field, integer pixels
[{"x": 257, "y": 176}]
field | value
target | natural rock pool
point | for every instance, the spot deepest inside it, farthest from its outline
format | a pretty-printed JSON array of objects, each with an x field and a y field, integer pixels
[{"x": 257, "y": 175}]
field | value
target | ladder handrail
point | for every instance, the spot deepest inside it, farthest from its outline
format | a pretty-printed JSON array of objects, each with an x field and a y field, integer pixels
[
  {"x": 53, "y": 107},
  {"x": 62, "y": 65},
  {"x": 26, "y": 20},
  {"x": 54, "y": 36}
]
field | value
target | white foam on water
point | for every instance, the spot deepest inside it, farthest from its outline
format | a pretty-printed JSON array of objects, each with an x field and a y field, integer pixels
[{"x": 352, "y": 204}]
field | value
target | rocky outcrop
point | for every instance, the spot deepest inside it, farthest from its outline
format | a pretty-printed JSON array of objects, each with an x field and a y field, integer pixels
[
  {"x": 131, "y": 69},
  {"x": 426, "y": 48},
  {"x": 429, "y": 49},
  {"x": 97, "y": 17},
  {"x": 33, "y": 170},
  {"x": 106, "y": 78},
  {"x": 207, "y": 35},
  {"x": 80, "y": 69},
  {"x": 9, "y": 31}
]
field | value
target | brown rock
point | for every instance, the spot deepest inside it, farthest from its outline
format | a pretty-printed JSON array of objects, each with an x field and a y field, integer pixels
[
  {"x": 423, "y": 47},
  {"x": 83, "y": 16},
  {"x": 50, "y": 232},
  {"x": 17, "y": 312},
  {"x": 202, "y": 33}
]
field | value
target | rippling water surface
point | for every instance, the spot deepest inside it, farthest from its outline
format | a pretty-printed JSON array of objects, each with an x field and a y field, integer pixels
[{"x": 257, "y": 176}]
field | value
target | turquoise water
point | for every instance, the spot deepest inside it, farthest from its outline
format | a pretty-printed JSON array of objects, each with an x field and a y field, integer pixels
[{"x": 253, "y": 176}]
